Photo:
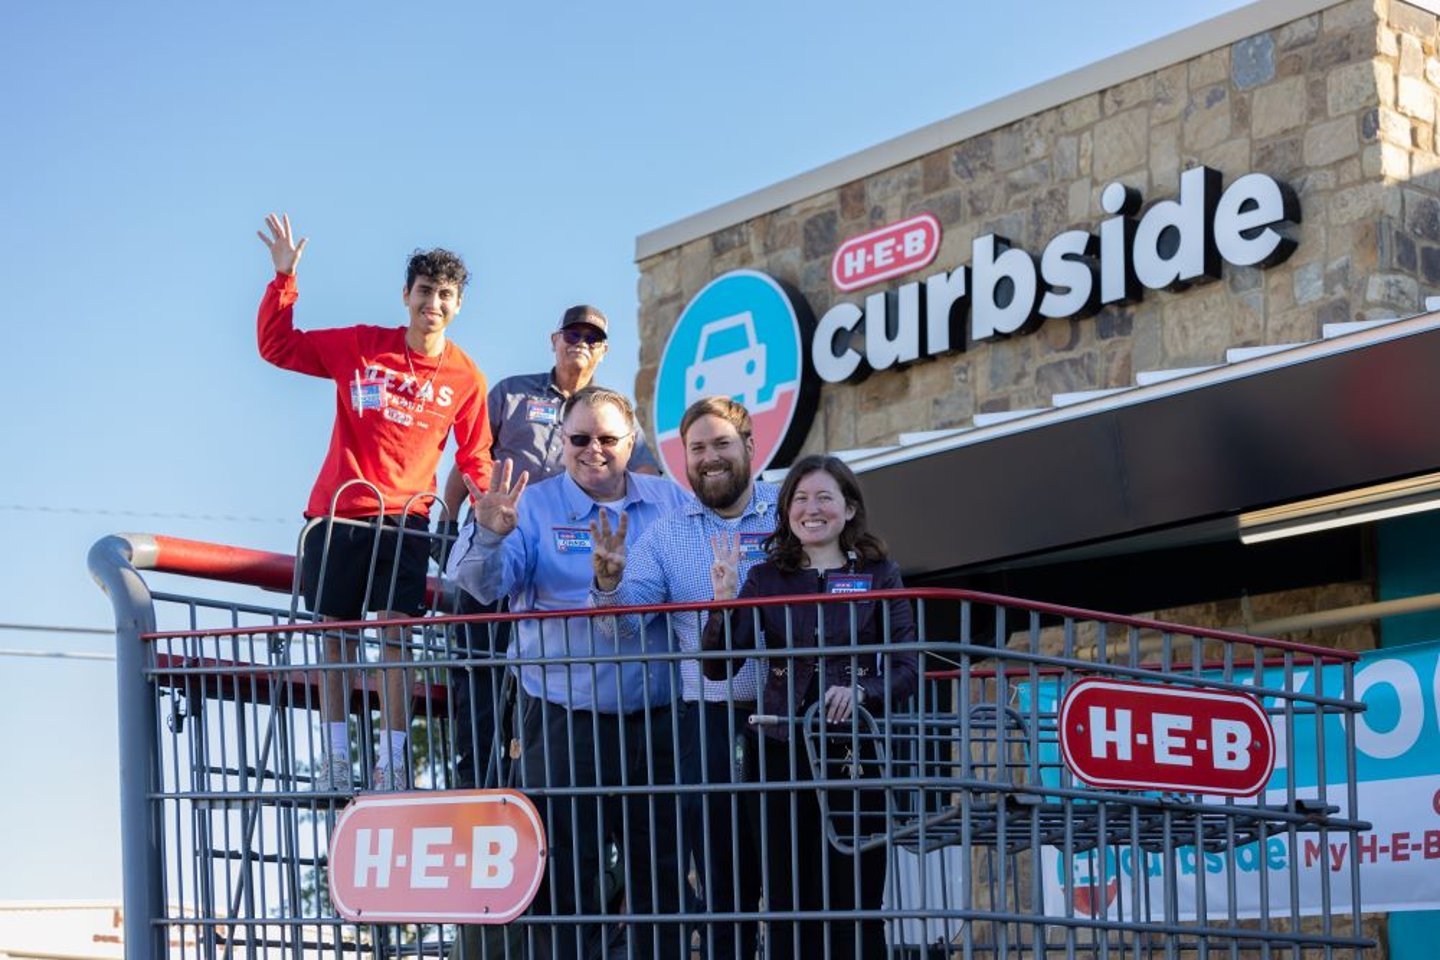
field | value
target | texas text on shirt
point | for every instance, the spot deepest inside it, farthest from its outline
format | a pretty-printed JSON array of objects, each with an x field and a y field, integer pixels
[
  {"x": 670, "y": 563},
  {"x": 545, "y": 564},
  {"x": 393, "y": 408}
]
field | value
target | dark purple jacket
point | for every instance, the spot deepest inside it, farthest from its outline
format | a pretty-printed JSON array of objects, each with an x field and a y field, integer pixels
[{"x": 796, "y": 625}]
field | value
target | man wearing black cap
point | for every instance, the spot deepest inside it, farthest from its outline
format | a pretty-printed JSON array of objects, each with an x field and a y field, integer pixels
[{"x": 525, "y": 422}]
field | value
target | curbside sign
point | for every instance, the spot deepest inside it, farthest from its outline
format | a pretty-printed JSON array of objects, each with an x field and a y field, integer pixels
[{"x": 459, "y": 856}]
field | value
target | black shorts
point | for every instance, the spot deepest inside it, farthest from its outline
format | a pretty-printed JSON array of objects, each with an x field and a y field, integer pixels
[{"x": 348, "y": 571}]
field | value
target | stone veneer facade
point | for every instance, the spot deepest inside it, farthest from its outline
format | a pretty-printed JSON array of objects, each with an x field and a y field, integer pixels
[{"x": 1341, "y": 104}]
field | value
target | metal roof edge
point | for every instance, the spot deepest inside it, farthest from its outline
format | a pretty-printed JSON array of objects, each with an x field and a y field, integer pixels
[
  {"x": 1313, "y": 350},
  {"x": 1137, "y": 61}
]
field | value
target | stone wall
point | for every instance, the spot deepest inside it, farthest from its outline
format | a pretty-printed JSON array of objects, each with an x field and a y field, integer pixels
[{"x": 1340, "y": 104}]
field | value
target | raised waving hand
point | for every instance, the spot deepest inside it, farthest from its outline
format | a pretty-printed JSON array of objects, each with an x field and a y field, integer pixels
[
  {"x": 607, "y": 551},
  {"x": 497, "y": 508},
  {"x": 725, "y": 570},
  {"x": 284, "y": 251}
]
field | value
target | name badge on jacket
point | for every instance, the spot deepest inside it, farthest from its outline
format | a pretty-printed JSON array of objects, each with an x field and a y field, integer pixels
[
  {"x": 752, "y": 544},
  {"x": 542, "y": 411},
  {"x": 571, "y": 539},
  {"x": 848, "y": 583}
]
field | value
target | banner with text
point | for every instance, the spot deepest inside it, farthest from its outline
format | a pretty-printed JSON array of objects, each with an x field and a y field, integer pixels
[{"x": 1397, "y": 773}]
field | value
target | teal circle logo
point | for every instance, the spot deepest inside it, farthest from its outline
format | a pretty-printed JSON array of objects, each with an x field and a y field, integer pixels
[{"x": 744, "y": 336}]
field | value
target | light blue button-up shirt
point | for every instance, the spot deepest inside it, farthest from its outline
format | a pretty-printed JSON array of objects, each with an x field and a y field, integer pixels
[
  {"x": 670, "y": 563},
  {"x": 545, "y": 564}
]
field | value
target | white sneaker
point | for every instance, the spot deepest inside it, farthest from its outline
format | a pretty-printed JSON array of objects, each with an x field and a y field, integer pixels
[
  {"x": 389, "y": 778},
  {"x": 333, "y": 775}
]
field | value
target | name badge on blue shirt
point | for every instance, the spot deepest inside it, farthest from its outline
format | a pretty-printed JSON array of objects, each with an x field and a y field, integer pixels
[
  {"x": 848, "y": 583},
  {"x": 571, "y": 539},
  {"x": 752, "y": 544},
  {"x": 542, "y": 411}
]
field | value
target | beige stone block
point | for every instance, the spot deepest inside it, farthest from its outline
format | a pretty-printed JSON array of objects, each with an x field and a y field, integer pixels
[
  {"x": 1384, "y": 82},
  {"x": 1410, "y": 18},
  {"x": 1347, "y": 15},
  {"x": 1298, "y": 33},
  {"x": 955, "y": 246},
  {"x": 1394, "y": 127},
  {"x": 1363, "y": 202},
  {"x": 1212, "y": 67},
  {"x": 1370, "y": 161},
  {"x": 1230, "y": 155},
  {"x": 1207, "y": 118},
  {"x": 1067, "y": 158},
  {"x": 1078, "y": 206},
  {"x": 1387, "y": 41},
  {"x": 1394, "y": 162},
  {"x": 695, "y": 266},
  {"x": 1348, "y": 172},
  {"x": 1412, "y": 56},
  {"x": 1390, "y": 202},
  {"x": 1080, "y": 113},
  {"x": 660, "y": 277},
  {"x": 1247, "y": 323},
  {"x": 1165, "y": 153},
  {"x": 1196, "y": 326},
  {"x": 1087, "y": 154},
  {"x": 1432, "y": 70},
  {"x": 1356, "y": 86},
  {"x": 1121, "y": 142},
  {"x": 1170, "y": 95},
  {"x": 1397, "y": 289},
  {"x": 1330, "y": 141},
  {"x": 1423, "y": 162},
  {"x": 1416, "y": 98},
  {"x": 1314, "y": 182},
  {"x": 1278, "y": 107},
  {"x": 1131, "y": 93}
]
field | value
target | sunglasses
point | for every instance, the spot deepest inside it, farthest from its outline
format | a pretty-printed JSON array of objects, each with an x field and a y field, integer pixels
[
  {"x": 585, "y": 439},
  {"x": 588, "y": 337}
]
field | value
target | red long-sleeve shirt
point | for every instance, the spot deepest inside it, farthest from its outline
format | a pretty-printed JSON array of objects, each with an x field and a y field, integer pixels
[{"x": 390, "y": 423}]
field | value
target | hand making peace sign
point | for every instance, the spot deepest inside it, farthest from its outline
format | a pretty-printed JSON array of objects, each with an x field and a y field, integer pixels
[
  {"x": 607, "y": 551},
  {"x": 495, "y": 509},
  {"x": 725, "y": 571},
  {"x": 284, "y": 251}
]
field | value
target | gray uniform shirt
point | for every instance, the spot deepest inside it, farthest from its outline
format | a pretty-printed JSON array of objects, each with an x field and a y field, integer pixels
[{"x": 525, "y": 424}]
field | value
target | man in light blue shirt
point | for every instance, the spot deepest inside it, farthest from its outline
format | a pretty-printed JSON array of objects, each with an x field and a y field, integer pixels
[
  {"x": 596, "y": 723},
  {"x": 671, "y": 562}
]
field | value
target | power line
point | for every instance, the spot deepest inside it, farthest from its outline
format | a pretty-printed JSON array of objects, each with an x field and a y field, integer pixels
[
  {"x": 51, "y": 628},
  {"x": 56, "y": 655},
  {"x": 141, "y": 514}
]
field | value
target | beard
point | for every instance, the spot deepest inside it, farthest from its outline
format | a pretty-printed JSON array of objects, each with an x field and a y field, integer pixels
[{"x": 720, "y": 491}]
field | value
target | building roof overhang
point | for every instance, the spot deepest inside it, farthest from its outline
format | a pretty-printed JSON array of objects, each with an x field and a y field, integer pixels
[{"x": 1167, "y": 464}]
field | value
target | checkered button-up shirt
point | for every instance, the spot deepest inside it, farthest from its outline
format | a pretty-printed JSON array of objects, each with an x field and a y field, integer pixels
[{"x": 670, "y": 563}]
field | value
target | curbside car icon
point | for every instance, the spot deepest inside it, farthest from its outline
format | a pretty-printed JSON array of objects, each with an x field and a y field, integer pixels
[
  {"x": 730, "y": 360},
  {"x": 742, "y": 336}
]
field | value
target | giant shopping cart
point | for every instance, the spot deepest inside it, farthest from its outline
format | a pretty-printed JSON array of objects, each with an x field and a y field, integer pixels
[{"x": 998, "y": 834}]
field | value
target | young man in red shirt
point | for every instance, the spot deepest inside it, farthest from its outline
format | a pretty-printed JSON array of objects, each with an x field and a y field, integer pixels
[{"x": 400, "y": 391}]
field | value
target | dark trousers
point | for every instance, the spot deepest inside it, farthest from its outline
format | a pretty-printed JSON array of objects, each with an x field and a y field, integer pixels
[
  {"x": 799, "y": 862},
  {"x": 563, "y": 748},
  {"x": 482, "y": 699},
  {"x": 718, "y": 834}
]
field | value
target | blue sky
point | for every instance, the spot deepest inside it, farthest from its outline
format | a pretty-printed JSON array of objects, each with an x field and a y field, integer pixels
[{"x": 144, "y": 143}]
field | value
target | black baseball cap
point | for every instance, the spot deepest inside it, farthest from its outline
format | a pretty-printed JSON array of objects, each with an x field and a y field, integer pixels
[{"x": 586, "y": 314}]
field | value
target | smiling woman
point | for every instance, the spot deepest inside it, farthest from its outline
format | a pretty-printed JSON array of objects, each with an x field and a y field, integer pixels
[{"x": 822, "y": 547}]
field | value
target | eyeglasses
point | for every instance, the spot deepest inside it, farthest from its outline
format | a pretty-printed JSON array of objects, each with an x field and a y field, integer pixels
[
  {"x": 588, "y": 337},
  {"x": 585, "y": 439}
]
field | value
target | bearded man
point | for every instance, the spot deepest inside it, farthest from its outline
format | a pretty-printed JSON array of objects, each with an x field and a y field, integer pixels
[{"x": 671, "y": 563}]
